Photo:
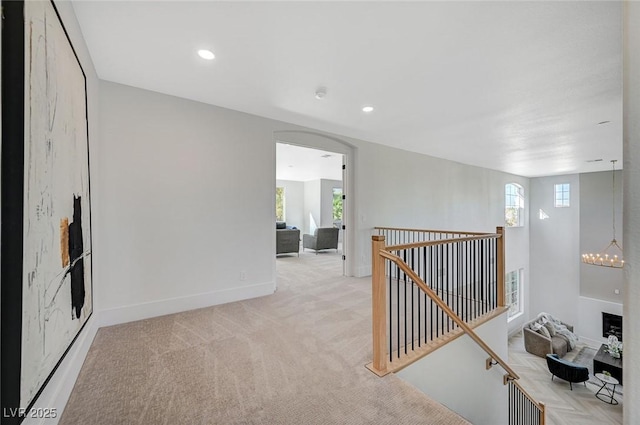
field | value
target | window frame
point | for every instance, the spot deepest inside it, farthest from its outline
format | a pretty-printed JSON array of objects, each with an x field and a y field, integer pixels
[
  {"x": 564, "y": 200},
  {"x": 337, "y": 191},
  {"x": 514, "y": 205},
  {"x": 509, "y": 292},
  {"x": 284, "y": 204}
]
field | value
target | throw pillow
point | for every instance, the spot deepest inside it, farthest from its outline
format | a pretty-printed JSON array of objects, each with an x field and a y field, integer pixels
[
  {"x": 543, "y": 331},
  {"x": 534, "y": 326},
  {"x": 550, "y": 328}
]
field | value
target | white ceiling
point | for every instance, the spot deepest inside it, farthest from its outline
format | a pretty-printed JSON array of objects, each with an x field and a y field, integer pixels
[
  {"x": 298, "y": 163},
  {"x": 513, "y": 86}
]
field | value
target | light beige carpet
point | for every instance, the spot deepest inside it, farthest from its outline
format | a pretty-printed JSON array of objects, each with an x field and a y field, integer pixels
[{"x": 296, "y": 357}]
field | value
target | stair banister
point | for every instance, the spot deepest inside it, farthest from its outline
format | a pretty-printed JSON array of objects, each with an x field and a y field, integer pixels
[{"x": 418, "y": 281}]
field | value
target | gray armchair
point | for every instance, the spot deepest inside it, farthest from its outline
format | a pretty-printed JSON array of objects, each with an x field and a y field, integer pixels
[
  {"x": 287, "y": 240},
  {"x": 322, "y": 238},
  {"x": 571, "y": 372}
]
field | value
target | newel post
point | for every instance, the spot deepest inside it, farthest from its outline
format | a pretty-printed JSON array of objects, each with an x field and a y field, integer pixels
[
  {"x": 500, "y": 266},
  {"x": 378, "y": 299}
]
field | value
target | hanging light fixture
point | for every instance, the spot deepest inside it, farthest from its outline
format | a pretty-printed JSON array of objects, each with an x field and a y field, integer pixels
[{"x": 611, "y": 256}]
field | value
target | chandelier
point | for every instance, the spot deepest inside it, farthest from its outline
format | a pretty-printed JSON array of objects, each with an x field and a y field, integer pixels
[{"x": 611, "y": 256}]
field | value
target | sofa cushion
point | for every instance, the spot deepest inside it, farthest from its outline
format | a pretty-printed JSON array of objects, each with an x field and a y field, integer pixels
[{"x": 559, "y": 345}]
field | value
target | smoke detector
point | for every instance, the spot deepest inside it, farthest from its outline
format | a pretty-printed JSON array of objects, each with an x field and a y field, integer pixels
[{"x": 321, "y": 93}]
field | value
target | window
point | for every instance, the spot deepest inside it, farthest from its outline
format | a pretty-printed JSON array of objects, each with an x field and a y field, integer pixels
[
  {"x": 513, "y": 293},
  {"x": 563, "y": 195},
  {"x": 514, "y": 205},
  {"x": 337, "y": 204},
  {"x": 280, "y": 204}
]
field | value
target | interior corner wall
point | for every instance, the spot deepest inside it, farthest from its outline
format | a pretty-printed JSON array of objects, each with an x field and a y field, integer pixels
[
  {"x": 312, "y": 205},
  {"x": 326, "y": 201},
  {"x": 555, "y": 250},
  {"x": 293, "y": 202},
  {"x": 596, "y": 232}
]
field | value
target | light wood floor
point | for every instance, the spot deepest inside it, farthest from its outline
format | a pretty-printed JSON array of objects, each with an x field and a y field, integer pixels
[{"x": 564, "y": 406}]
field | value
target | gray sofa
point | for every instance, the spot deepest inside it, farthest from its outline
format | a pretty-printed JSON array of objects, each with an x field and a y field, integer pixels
[
  {"x": 287, "y": 239},
  {"x": 540, "y": 344},
  {"x": 322, "y": 238}
]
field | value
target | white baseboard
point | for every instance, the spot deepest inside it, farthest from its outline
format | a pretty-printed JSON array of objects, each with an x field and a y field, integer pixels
[
  {"x": 363, "y": 271},
  {"x": 147, "y": 310},
  {"x": 592, "y": 343},
  {"x": 56, "y": 394}
]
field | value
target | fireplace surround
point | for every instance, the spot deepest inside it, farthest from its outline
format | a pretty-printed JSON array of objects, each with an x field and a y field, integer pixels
[{"x": 611, "y": 325}]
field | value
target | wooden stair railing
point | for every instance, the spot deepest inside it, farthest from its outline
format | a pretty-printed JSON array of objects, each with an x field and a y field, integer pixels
[
  {"x": 523, "y": 409},
  {"x": 379, "y": 332}
]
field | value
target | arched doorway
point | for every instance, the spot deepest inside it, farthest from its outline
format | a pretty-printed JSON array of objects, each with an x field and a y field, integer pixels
[{"x": 328, "y": 143}]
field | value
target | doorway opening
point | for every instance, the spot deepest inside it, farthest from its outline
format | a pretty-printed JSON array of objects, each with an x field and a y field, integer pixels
[{"x": 310, "y": 198}]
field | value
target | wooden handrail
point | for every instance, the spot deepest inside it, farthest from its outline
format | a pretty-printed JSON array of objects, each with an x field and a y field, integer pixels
[
  {"x": 445, "y": 232},
  {"x": 442, "y": 242},
  {"x": 461, "y": 323}
]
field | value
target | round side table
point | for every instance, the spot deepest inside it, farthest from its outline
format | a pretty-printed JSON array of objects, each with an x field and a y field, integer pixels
[{"x": 607, "y": 380}]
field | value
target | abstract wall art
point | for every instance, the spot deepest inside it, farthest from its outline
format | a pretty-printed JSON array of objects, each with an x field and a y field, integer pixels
[{"x": 46, "y": 209}]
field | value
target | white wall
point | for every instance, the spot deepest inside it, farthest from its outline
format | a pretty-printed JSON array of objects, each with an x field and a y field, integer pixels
[
  {"x": 455, "y": 375},
  {"x": 312, "y": 206},
  {"x": 589, "y": 327},
  {"x": 555, "y": 250},
  {"x": 631, "y": 136},
  {"x": 293, "y": 202},
  {"x": 189, "y": 196}
]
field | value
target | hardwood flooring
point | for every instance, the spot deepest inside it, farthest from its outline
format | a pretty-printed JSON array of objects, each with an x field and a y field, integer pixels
[{"x": 564, "y": 407}]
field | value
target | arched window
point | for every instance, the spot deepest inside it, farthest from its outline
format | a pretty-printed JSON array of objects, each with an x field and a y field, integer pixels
[{"x": 514, "y": 205}]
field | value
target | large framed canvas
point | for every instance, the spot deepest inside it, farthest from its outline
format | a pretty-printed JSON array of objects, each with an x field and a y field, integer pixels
[{"x": 46, "y": 209}]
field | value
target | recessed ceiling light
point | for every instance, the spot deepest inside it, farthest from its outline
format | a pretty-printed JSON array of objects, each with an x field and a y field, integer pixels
[
  {"x": 594, "y": 160},
  {"x": 321, "y": 93},
  {"x": 326, "y": 156},
  {"x": 367, "y": 109},
  {"x": 603, "y": 122},
  {"x": 206, "y": 54}
]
